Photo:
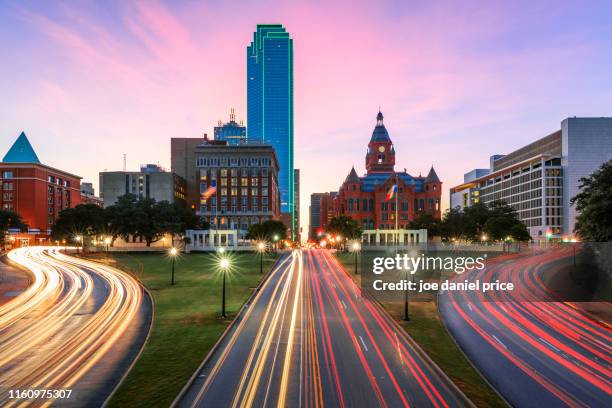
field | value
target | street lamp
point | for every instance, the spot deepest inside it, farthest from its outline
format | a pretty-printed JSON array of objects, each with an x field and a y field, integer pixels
[
  {"x": 356, "y": 247},
  {"x": 79, "y": 240},
  {"x": 224, "y": 264},
  {"x": 221, "y": 250},
  {"x": 275, "y": 239},
  {"x": 484, "y": 237},
  {"x": 261, "y": 248},
  {"x": 173, "y": 253},
  {"x": 107, "y": 242}
]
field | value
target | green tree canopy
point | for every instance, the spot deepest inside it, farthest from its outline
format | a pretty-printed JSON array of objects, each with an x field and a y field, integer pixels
[
  {"x": 345, "y": 226},
  {"x": 267, "y": 230},
  {"x": 497, "y": 220},
  {"x": 84, "y": 219},
  {"x": 594, "y": 205},
  {"x": 9, "y": 220},
  {"x": 426, "y": 220}
]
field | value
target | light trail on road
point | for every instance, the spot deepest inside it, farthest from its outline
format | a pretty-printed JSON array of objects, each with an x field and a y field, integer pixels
[
  {"x": 310, "y": 338},
  {"x": 64, "y": 324},
  {"x": 536, "y": 351}
]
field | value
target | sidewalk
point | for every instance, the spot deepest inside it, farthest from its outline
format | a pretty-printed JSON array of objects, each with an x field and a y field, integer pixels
[{"x": 12, "y": 281}]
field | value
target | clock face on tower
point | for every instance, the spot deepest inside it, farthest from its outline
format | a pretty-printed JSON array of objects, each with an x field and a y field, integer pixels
[{"x": 381, "y": 149}]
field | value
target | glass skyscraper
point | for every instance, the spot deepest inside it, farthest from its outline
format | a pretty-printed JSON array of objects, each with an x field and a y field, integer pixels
[{"x": 270, "y": 101}]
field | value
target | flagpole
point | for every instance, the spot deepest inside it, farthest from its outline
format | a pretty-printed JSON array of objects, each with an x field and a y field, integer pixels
[{"x": 396, "y": 212}]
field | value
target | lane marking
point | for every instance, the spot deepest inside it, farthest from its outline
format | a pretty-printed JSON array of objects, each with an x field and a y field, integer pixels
[{"x": 363, "y": 343}]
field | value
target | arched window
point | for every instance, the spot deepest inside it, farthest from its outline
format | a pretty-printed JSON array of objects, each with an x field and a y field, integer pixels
[{"x": 350, "y": 205}]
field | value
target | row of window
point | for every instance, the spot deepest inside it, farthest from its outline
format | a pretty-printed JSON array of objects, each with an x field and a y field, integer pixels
[
  {"x": 233, "y": 161},
  {"x": 367, "y": 205}
]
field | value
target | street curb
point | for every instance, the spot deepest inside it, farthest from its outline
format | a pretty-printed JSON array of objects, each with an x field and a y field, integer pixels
[
  {"x": 5, "y": 260},
  {"x": 144, "y": 344},
  {"x": 465, "y": 355},
  {"x": 146, "y": 340},
  {"x": 412, "y": 342},
  {"x": 214, "y": 348}
]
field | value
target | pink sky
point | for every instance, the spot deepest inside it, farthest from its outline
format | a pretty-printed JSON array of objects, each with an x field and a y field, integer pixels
[{"x": 457, "y": 81}]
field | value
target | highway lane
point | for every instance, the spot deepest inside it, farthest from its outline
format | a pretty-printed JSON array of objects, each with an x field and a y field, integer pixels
[
  {"x": 77, "y": 327},
  {"x": 310, "y": 339},
  {"x": 535, "y": 351}
]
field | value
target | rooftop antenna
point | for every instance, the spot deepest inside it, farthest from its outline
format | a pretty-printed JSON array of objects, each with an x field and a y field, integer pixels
[
  {"x": 124, "y": 162},
  {"x": 232, "y": 115}
]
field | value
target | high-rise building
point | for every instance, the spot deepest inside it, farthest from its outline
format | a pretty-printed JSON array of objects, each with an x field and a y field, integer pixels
[
  {"x": 235, "y": 186},
  {"x": 538, "y": 180},
  {"x": 270, "y": 101},
  {"x": 321, "y": 213},
  {"x": 35, "y": 191},
  {"x": 151, "y": 181},
  {"x": 232, "y": 132}
]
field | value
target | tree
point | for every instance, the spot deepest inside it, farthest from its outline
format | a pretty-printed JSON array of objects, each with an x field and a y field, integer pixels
[
  {"x": 502, "y": 222},
  {"x": 345, "y": 226},
  {"x": 9, "y": 220},
  {"x": 84, "y": 219},
  {"x": 426, "y": 220},
  {"x": 497, "y": 220},
  {"x": 594, "y": 205},
  {"x": 122, "y": 217},
  {"x": 267, "y": 230}
]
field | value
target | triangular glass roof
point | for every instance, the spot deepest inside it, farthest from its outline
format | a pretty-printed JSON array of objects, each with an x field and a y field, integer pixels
[{"x": 21, "y": 152}]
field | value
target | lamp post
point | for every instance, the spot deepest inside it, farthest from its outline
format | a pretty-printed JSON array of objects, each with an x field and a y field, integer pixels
[
  {"x": 224, "y": 265},
  {"x": 356, "y": 247},
  {"x": 107, "y": 242},
  {"x": 275, "y": 239},
  {"x": 78, "y": 239},
  {"x": 406, "y": 315},
  {"x": 173, "y": 253},
  {"x": 261, "y": 248}
]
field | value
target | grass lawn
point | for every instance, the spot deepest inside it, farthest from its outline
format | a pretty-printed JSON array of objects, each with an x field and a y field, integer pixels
[
  {"x": 187, "y": 319},
  {"x": 426, "y": 328}
]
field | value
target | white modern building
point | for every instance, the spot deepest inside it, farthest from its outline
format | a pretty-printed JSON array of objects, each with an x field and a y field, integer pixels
[{"x": 539, "y": 179}]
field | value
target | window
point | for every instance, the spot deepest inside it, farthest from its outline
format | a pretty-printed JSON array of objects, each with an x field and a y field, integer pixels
[
  {"x": 264, "y": 191},
  {"x": 8, "y": 206},
  {"x": 254, "y": 191},
  {"x": 7, "y": 186},
  {"x": 7, "y": 174},
  {"x": 7, "y": 196}
]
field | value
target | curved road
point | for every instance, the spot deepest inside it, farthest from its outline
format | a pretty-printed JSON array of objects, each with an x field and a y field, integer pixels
[
  {"x": 535, "y": 351},
  {"x": 309, "y": 339},
  {"x": 77, "y": 327}
]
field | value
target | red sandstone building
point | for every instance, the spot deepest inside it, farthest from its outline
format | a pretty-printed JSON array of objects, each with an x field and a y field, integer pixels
[
  {"x": 365, "y": 198},
  {"x": 35, "y": 191}
]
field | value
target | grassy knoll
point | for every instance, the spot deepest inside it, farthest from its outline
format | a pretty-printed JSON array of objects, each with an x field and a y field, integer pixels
[
  {"x": 187, "y": 319},
  {"x": 426, "y": 328}
]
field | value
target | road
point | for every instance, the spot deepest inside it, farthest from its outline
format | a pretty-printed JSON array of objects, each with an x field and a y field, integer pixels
[
  {"x": 309, "y": 339},
  {"x": 535, "y": 351},
  {"x": 77, "y": 327}
]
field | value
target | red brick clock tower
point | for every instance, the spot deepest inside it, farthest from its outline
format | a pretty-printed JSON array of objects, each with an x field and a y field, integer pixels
[{"x": 381, "y": 154}]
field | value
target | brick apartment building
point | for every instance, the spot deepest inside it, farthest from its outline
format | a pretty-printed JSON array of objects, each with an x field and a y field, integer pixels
[{"x": 35, "y": 191}]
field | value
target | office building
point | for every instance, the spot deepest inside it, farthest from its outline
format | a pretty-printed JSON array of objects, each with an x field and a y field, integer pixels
[
  {"x": 35, "y": 191},
  {"x": 539, "y": 179},
  {"x": 88, "y": 195},
  {"x": 237, "y": 186},
  {"x": 321, "y": 212},
  {"x": 232, "y": 132},
  {"x": 270, "y": 101},
  {"x": 151, "y": 181}
]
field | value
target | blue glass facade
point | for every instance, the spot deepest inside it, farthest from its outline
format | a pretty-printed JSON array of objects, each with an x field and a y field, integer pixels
[
  {"x": 232, "y": 132},
  {"x": 270, "y": 101}
]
